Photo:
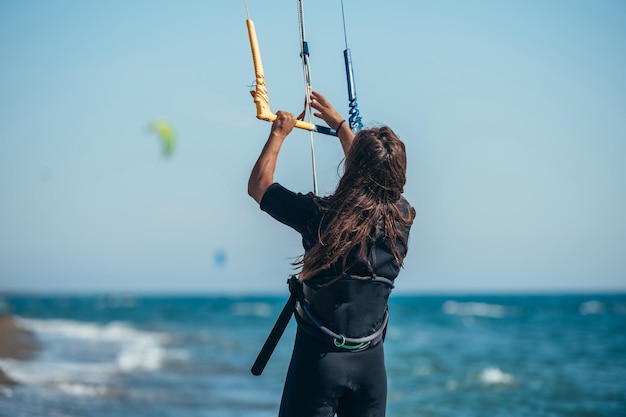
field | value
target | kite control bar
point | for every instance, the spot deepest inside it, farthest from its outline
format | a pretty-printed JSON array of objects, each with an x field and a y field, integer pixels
[{"x": 261, "y": 98}]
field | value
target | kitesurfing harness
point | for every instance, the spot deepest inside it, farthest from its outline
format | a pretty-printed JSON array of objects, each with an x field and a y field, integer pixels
[{"x": 310, "y": 322}]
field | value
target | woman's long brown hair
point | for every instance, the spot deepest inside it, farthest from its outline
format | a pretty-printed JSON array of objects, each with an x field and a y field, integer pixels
[{"x": 367, "y": 200}]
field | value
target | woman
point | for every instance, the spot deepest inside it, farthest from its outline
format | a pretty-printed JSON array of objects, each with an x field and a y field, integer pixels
[{"x": 355, "y": 241}]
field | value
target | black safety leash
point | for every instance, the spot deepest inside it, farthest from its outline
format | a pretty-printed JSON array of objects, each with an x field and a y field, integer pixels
[{"x": 279, "y": 327}]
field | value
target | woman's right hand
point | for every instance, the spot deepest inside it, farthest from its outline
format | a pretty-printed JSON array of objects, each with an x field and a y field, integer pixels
[
  {"x": 325, "y": 110},
  {"x": 284, "y": 124}
]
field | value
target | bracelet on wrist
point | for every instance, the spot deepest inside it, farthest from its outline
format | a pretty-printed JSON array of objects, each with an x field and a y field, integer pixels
[{"x": 339, "y": 125}]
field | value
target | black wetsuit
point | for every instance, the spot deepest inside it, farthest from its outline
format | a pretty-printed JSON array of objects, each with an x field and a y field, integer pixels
[{"x": 324, "y": 379}]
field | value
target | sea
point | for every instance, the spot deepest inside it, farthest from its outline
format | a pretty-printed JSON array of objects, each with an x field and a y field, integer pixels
[{"x": 190, "y": 356}]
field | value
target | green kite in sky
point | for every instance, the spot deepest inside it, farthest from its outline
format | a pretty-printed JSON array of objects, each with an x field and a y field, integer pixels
[{"x": 167, "y": 136}]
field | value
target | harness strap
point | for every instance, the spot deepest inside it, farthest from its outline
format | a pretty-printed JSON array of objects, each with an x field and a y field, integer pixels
[
  {"x": 342, "y": 341},
  {"x": 276, "y": 333},
  {"x": 297, "y": 296},
  {"x": 346, "y": 342}
]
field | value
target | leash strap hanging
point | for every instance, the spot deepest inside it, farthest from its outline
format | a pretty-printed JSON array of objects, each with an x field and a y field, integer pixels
[
  {"x": 274, "y": 336},
  {"x": 296, "y": 294}
]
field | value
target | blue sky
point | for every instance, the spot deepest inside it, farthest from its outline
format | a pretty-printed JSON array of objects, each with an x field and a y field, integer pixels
[{"x": 513, "y": 114}]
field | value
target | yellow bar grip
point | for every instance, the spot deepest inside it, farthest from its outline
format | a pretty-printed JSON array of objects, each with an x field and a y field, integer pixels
[
  {"x": 261, "y": 98},
  {"x": 270, "y": 117}
]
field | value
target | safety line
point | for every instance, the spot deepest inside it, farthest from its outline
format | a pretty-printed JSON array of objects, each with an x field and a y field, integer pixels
[
  {"x": 306, "y": 68},
  {"x": 354, "y": 118},
  {"x": 343, "y": 18}
]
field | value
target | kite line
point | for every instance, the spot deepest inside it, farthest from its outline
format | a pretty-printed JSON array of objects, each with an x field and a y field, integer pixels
[
  {"x": 306, "y": 69},
  {"x": 260, "y": 94}
]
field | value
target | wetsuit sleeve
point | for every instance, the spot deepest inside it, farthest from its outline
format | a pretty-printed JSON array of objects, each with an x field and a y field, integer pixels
[{"x": 295, "y": 210}]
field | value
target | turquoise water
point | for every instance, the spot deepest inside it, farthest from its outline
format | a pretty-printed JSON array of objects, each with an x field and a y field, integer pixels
[{"x": 190, "y": 356}]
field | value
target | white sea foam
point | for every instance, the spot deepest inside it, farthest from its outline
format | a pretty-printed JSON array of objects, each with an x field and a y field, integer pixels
[
  {"x": 147, "y": 356},
  {"x": 591, "y": 307},
  {"x": 79, "y": 379},
  {"x": 81, "y": 358},
  {"x": 71, "y": 329},
  {"x": 141, "y": 357},
  {"x": 40, "y": 373},
  {"x": 252, "y": 309},
  {"x": 83, "y": 390},
  {"x": 452, "y": 385},
  {"x": 474, "y": 309},
  {"x": 494, "y": 376}
]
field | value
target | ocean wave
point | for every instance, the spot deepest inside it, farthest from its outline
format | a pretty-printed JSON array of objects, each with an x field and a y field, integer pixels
[
  {"x": 147, "y": 356},
  {"x": 591, "y": 307},
  {"x": 494, "y": 376},
  {"x": 71, "y": 329},
  {"x": 84, "y": 359},
  {"x": 475, "y": 309},
  {"x": 76, "y": 379},
  {"x": 252, "y": 309},
  {"x": 41, "y": 373},
  {"x": 83, "y": 390},
  {"x": 117, "y": 344}
]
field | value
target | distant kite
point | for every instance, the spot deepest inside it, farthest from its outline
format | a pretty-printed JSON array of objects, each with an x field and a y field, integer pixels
[
  {"x": 166, "y": 135},
  {"x": 219, "y": 258}
]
